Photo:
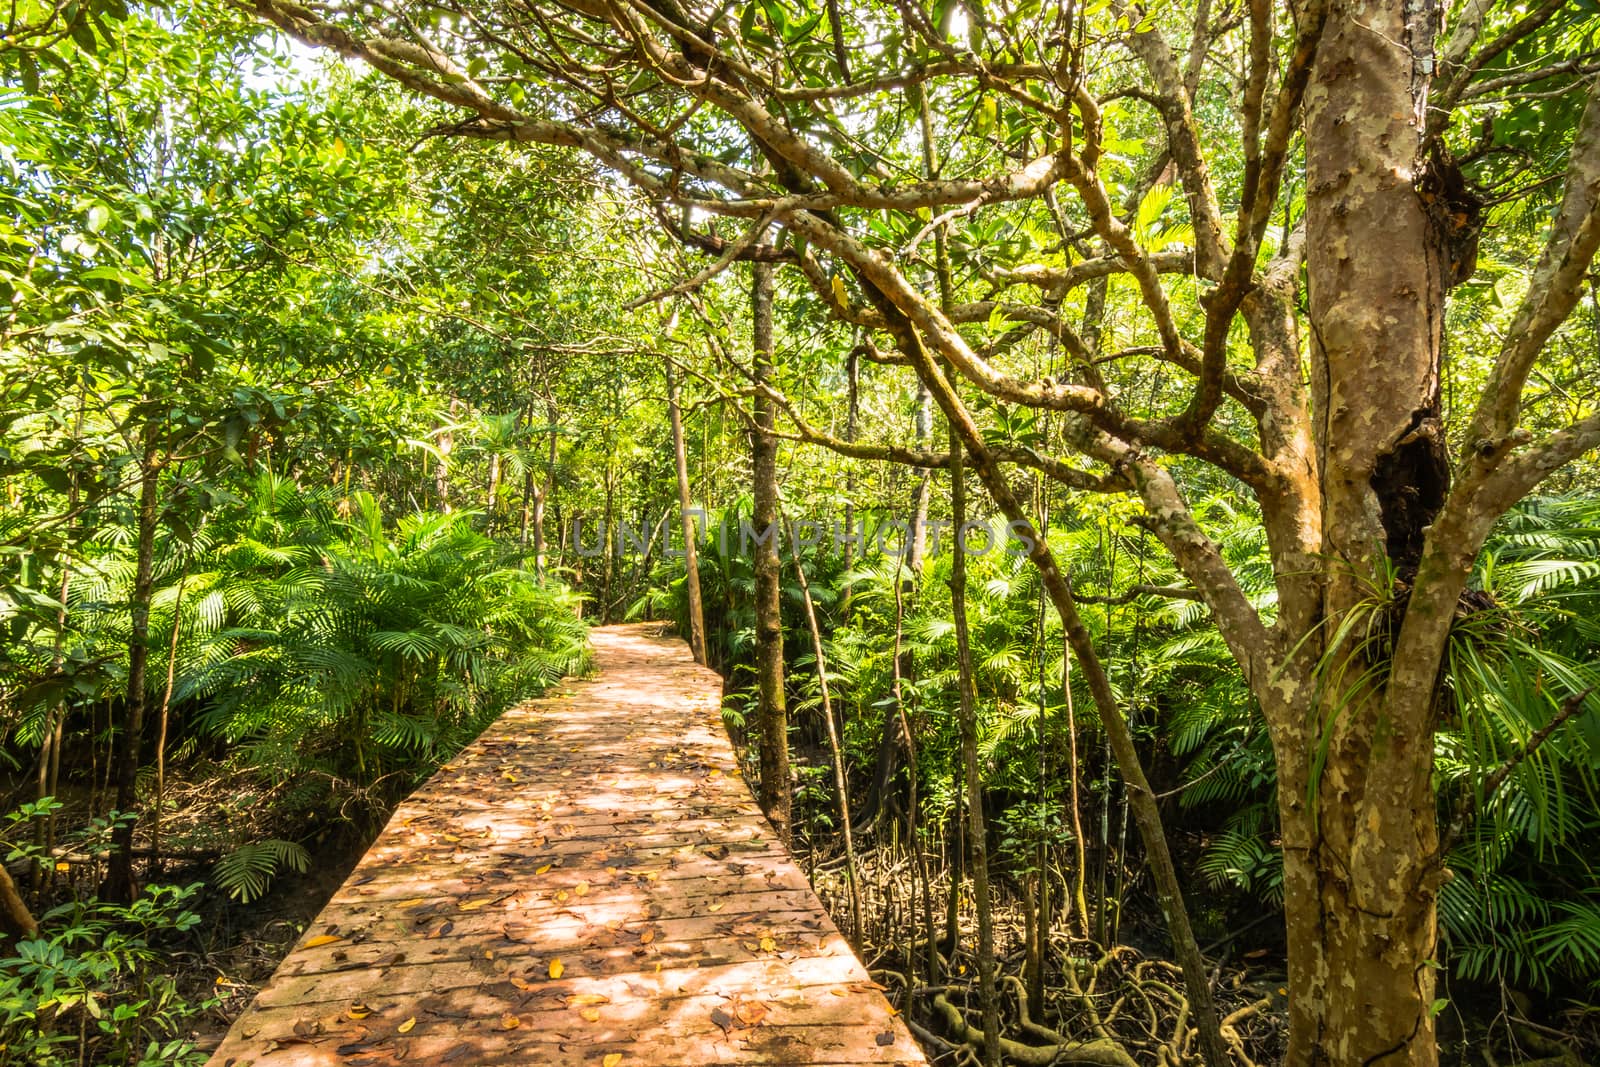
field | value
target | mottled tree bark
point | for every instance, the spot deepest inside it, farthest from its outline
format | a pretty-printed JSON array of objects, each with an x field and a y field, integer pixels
[{"x": 1361, "y": 914}]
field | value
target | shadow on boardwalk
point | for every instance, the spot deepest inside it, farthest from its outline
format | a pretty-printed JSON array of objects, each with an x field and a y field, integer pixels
[{"x": 587, "y": 883}]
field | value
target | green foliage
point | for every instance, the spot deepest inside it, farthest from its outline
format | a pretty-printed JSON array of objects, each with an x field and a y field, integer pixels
[
  {"x": 96, "y": 986},
  {"x": 247, "y": 872}
]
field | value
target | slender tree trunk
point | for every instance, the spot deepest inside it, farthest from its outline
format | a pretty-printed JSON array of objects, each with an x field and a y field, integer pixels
[
  {"x": 120, "y": 885},
  {"x": 441, "y": 471},
  {"x": 915, "y": 549},
  {"x": 988, "y": 993},
  {"x": 45, "y": 829},
  {"x": 1080, "y": 896},
  {"x": 852, "y": 375},
  {"x": 492, "y": 490},
  {"x": 691, "y": 553},
  {"x": 774, "y": 714},
  {"x": 161, "y": 732},
  {"x": 526, "y": 523},
  {"x": 541, "y": 502},
  {"x": 840, "y": 784},
  {"x": 914, "y": 800}
]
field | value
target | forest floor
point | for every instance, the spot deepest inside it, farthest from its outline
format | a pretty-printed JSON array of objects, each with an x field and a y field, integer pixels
[{"x": 588, "y": 882}]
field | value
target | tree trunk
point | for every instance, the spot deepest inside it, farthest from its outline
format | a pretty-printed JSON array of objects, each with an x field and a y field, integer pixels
[
  {"x": 840, "y": 784},
  {"x": 852, "y": 376},
  {"x": 492, "y": 490},
  {"x": 691, "y": 553},
  {"x": 977, "y": 834},
  {"x": 541, "y": 501},
  {"x": 1360, "y": 875},
  {"x": 773, "y": 715},
  {"x": 915, "y": 548},
  {"x": 120, "y": 885}
]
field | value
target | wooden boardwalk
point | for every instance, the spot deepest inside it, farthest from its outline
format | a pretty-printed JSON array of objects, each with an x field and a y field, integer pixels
[{"x": 588, "y": 883}]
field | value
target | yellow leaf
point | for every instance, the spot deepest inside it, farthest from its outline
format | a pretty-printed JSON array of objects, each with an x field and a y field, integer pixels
[
  {"x": 580, "y": 1000},
  {"x": 63, "y": 865},
  {"x": 556, "y": 968},
  {"x": 508, "y": 1021},
  {"x": 768, "y": 945},
  {"x": 840, "y": 291},
  {"x": 715, "y": 907},
  {"x": 611, "y": 1060},
  {"x": 561, "y": 896},
  {"x": 580, "y": 889},
  {"x": 322, "y": 939},
  {"x": 543, "y": 870},
  {"x": 405, "y": 1027},
  {"x": 590, "y": 1014}
]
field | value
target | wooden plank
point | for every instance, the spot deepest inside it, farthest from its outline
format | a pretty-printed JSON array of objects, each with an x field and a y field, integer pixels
[{"x": 589, "y": 879}]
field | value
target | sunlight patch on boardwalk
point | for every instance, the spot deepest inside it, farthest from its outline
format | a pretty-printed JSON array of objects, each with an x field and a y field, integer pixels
[{"x": 587, "y": 883}]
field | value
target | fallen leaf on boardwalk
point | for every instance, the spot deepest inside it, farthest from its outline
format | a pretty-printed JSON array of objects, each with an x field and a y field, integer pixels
[
  {"x": 768, "y": 945},
  {"x": 556, "y": 968},
  {"x": 840, "y": 992},
  {"x": 508, "y": 1021},
  {"x": 523, "y": 984},
  {"x": 611, "y": 1060},
  {"x": 580, "y": 889},
  {"x": 358, "y": 1010},
  {"x": 322, "y": 939},
  {"x": 579, "y": 1000},
  {"x": 750, "y": 1012},
  {"x": 543, "y": 870},
  {"x": 590, "y": 1014},
  {"x": 885, "y": 1038},
  {"x": 716, "y": 907},
  {"x": 561, "y": 896},
  {"x": 648, "y": 935},
  {"x": 405, "y": 1027}
]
